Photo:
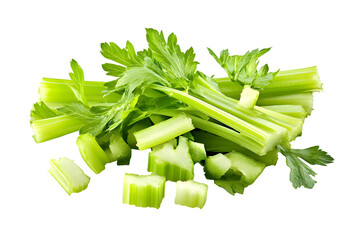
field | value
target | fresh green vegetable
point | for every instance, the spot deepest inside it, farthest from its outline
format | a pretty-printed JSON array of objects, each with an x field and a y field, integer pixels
[
  {"x": 69, "y": 175},
  {"x": 174, "y": 164},
  {"x": 160, "y": 100},
  {"x": 143, "y": 190},
  {"x": 245, "y": 166},
  {"x": 92, "y": 153},
  {"x": 118, "y": 150},
  {"x": 191, "y": 194},
  {"x": 216, "y": 166},
  {"x": 163, "y": 131},
  {"x": 197, "y": 151}
]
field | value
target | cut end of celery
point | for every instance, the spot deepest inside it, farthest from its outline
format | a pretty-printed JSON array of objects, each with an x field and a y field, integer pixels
[
  {"x": 216, "y": 166},
  {"x": 174, "y": 164},
  {"x": 143, "y": 190},
  {"x": 191, "y": 194},
  {"x": 248, "y": 97},
  {"x": 163, "y": 131},
  {"x": 92, "y": 153},
  {"x": 246, "y": 166},
  {"x": 197, "y": 151},
  {"x": 69, "y": 175},
  {"x": 118, "y": 150}
]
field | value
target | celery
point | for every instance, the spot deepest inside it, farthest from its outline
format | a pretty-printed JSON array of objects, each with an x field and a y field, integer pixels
[
  {"x": 191, "y": 194},
  {"x": 140, "y": 125},
  {"x": 246, "y": 166},
  {"x": 216, "y": 166},
  {"x": 197, "y": 151},
  {"x": 92, "y": 153},
  {"x": 163, "y": 131},
  {"x": 284, "y": 83},
  {"x": 50, "y": 128},
  {"x": 143, "y": 190},
  {"x": 218, "y": 144},
  {"x": 69, "y": 175},
  {"x": 118, "y": 150},
  {"x": 296, "y": 111},
  {"x": 174, "y": 164}
]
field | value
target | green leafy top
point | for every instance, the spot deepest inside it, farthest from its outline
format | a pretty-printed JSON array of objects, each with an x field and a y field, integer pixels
[
  {"x": 300, "y": 172},
  {"x": 243, "y": 68}
]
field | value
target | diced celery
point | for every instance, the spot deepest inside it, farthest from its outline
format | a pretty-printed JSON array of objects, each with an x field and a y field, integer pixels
[
  {"x": 145, "y": 123},
  {"x": 163, "y": 131},
  {"x": 69, "y": 175},
  {"x": 173, "y": 164},
  {"x": 197, "y": 151},
  {"x": 246, "y": 166},
  {"x": 92, "y": 153},
  {"x": 216, "y": 166},
  {"x": 118, "y": 150},
  {"x": 191, "y": 194},
  {"x": 143, "y": 190},
  {"x": 248, "y": 97}
]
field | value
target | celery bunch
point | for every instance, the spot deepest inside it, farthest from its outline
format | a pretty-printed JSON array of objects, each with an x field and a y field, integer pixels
[{"x": 233, "y": 126}]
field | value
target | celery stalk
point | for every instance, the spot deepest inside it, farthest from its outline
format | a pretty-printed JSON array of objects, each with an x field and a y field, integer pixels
[
  {"x": 69, "y": 175},
  {"x": 50, "y": 128},
  {"x": 163, "y": 131},
  {"x": 92, "y": 153}
]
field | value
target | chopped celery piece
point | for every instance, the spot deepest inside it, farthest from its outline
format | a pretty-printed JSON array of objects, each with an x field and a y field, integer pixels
[
  {"x": 173, "y": 164},
  {"x": 197, "y": 151},
  {"x": 163, "y": 131},
  {"x": 50, "y": 128},
  {"x": 92, "y": 153},
  {"x": 143, "y": 190},
  {"x": 218, "y": 144},
  {"x": 140, "y": 125},
  {"x": 118, "y": 150},
  {"x": 248, "y": 97},
  {"x": 246, "y": 166},
  {"x": 69, "y": 175},
  {"x": 216, "y": 166},
  {"x": 296, "y": 111},
  {"x": 191, "y": 194}
]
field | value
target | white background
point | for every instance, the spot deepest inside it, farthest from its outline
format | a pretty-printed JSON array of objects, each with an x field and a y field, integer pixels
[{"x": 38, "y": 39}]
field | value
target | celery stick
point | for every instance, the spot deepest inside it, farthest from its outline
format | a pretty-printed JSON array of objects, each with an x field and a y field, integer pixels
[
  {"x": 163, "y": 131},
  {"x": 143, "y": 190},
  {"x": 92, "y": 153},
  {"x": 174, "y": 164},
  {"x": 218, "y": 144},
  {"x": 118, "y": 150},
  {"x": 248, "y": 97},
  {"x": 303, "y": 99},
  {"x": 197, "y": 151},
  {"x": 69, "y": 175},
  {"x": 246, "y": 166},
  {"x": 216, "y": 166},
  {"x": 50, "y": 128},
  {"x": 284, "y": 83},
  {"x": 296, "y": 111},
  {"x": 191, "y": 194},
  {"x": 140, "y": 125},
  {"x": 58, "y": 91}
]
